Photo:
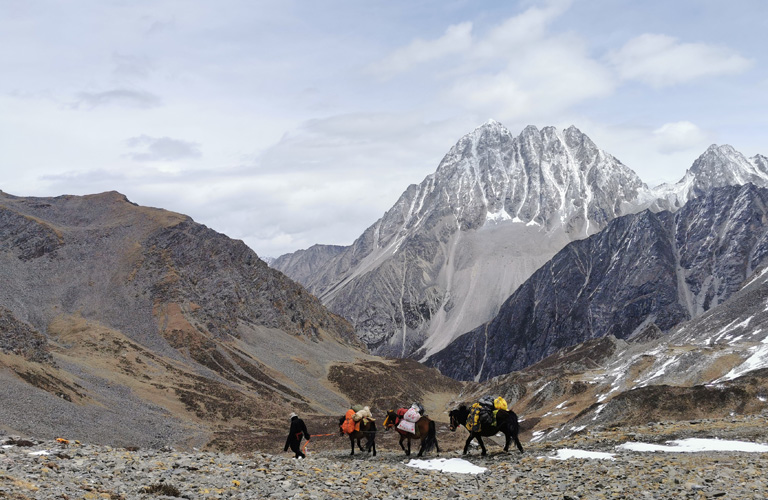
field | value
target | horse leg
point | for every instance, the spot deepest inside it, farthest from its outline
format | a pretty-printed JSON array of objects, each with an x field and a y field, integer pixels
[
  {"x": 506, "y": 443},
  {"x": 352, "y": 444},
  {"x": 421, "y": 448},
  {"x": 466, "y": 445},
  {"x": 402, "y": 446},
  {"x": 482, "y": 445}
]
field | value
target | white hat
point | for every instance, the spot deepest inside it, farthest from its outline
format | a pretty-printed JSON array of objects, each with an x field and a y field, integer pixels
[{"x": 292, "y": 415}]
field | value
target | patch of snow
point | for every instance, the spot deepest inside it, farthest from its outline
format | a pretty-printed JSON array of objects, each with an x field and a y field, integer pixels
[
  {"x": 499, "y": 216},
  {"x": 598, "y": 410},
  {"x": 567, "y": 453},
  {"x": 735, "y": 340},
  {"x": 731, "y": 327},
  {"x": 756, "y": 276},
  {"x": 536, "y": 435},
  {"x": 693, "y": 445},
  {"x": 658, "y": 373},
  {"x": 758, "y": 359},
  {"x": 40, "y": 453},
  {"x": 453, "y": 465}
]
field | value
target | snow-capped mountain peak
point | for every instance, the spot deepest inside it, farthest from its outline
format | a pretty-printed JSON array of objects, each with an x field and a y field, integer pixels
[
  {"x": 429, "y": 269},
  {"x": 546, "y": 177},
  {"x": 718, "y": 166}
]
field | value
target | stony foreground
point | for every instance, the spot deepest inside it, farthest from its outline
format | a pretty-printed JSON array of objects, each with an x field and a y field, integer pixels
[{"x": 78, "y": 471}]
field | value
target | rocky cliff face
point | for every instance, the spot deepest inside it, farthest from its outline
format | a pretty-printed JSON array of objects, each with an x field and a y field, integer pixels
[
  {"x": 447, "y": 254},
  {"x": 304, "y": 265},
  {"x": 641, "y": 270}
]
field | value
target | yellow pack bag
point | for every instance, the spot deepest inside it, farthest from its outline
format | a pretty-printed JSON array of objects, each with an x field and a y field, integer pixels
[
  {"x": 500, "y": 403},
  {"x": 473, "y": 419}
]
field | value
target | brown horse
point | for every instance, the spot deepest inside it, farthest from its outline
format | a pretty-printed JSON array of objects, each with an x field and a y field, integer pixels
[
  {"x": 367, "y": 430},
  {"x": 506, "y": 422},
  {"x": 425, "y": 431}
]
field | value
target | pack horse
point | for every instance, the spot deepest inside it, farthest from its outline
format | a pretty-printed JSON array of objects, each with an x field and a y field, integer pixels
[
  {"x": 359, "y": 425},
  {"x": 421, "y": 428},
  {"x": 505, "y": 421}
]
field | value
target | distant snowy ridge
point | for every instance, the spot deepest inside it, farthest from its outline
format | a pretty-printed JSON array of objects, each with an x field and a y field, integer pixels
[{"x": 718, "y": 166}]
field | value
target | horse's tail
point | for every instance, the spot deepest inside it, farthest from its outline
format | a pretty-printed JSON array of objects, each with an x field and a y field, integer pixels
[
  {"x": 514, "y": 427},
  {"x": 431, "y": 440}
]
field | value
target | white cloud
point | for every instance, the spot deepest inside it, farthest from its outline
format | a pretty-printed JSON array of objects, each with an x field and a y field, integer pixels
[
  {"x": 162, "y": 149},
  {"x": 514, "y": 71},
  {"x": 540, "y": 82},
  {"x": 661, "y": 60},
  {"x": 457, "y": 39},
  {"x": 523, "y": 30},
  {"x": 118, "y": 97},
  {"x": 680, "y": 136}
]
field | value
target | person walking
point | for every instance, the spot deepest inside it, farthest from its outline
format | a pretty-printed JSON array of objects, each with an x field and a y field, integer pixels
[{"x": 298, "y": 430}]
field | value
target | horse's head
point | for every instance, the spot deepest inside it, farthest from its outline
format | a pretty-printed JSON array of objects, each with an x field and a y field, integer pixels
[
  {"x": 389, "y": 422},
  {"x": 458, "y": 417}
]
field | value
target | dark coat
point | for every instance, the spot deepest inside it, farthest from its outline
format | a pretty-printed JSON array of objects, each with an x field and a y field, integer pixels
[{"x": 298, "y": 430}]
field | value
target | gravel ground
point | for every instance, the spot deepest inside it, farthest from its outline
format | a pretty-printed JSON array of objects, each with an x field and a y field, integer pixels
[{"x": 84, "y": 471}]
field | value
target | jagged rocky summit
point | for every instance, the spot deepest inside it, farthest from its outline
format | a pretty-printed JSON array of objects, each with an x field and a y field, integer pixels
[
  {"x": 453, "y": 248},
  {"x": 718, "y": 166}
]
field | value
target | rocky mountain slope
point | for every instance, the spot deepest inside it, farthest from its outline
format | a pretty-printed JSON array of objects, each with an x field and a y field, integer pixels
[
  {"x": 706, "y": 374},
  {"x": 135, "y": 325},
  {"x": 643, "y": 271},
  {"x": 452, "y": 249}
]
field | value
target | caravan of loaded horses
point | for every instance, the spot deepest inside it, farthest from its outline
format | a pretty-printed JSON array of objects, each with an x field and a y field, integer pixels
[{"x": 488, "y": 417}]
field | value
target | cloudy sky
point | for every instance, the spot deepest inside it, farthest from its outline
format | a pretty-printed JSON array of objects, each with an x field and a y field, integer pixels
[{"x": 292, "y": 122}]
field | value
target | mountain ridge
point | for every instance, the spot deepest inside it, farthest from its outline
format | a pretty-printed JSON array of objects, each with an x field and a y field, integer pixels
[{"x": 404, "y": 283}]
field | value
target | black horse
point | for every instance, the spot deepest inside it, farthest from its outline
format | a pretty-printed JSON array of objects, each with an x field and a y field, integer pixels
[
  {"x": 506, "y": 422},
  {"x": 367, "y": 431}
]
